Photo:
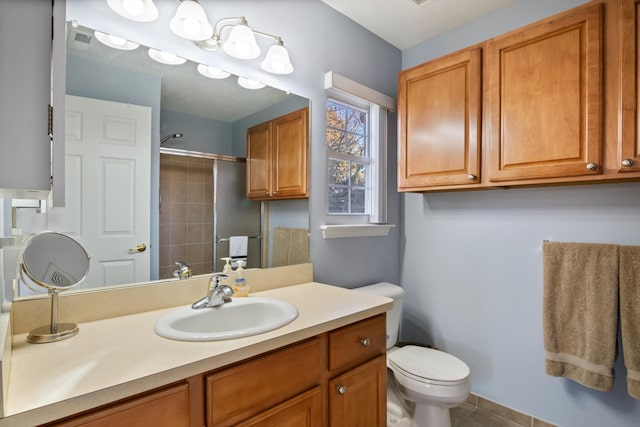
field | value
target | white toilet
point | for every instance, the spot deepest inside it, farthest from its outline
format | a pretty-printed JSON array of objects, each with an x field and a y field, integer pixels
[{"x": 422, "y": 383}]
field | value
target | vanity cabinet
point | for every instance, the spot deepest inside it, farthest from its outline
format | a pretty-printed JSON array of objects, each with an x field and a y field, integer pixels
[
  {"x": 545, "y": 98},
  {"x": 629, "y": 36},
  {"x": 167, "y": 407},
  {"x": 278, "y": 158},
  {"x": 439, "y": 110},
  {"x": 358, "y": 366},
  {"x": 250, "y": 388}
]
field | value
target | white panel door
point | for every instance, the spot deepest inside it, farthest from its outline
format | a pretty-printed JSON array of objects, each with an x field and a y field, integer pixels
[{"x": 108, "y": 164}]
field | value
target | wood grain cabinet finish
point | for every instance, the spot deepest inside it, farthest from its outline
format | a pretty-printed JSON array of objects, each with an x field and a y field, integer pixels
[
  {"x": 336, "y": 378},
  {"x": 439, "y": 113},
  {"x": 545, "y": 95},
  {"x": 629, "y": 111},
  {"x": 278, "y": 158},
  {"x": 165, "y": 408}
]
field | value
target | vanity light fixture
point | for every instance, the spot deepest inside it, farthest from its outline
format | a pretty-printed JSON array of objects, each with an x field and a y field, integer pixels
[
  {"x": 242, "y": 44},
  {"x": 136, "y": 10},
  {"x": 115, "y": 41},
  {"x": 212, "y": 72},
  {"x": 249, "y": 83},
  {"x": 190, "y": 22},
  {"x": 165, "y": 57}
]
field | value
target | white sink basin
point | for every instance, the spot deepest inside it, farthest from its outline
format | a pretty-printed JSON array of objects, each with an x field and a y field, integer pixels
[{"x": 241, "y": 317}]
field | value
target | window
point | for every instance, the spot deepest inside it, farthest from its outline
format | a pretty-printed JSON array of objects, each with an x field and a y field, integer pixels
[
  {"x": 348, "y": 159},
  {"x": 356, "y": 147}
]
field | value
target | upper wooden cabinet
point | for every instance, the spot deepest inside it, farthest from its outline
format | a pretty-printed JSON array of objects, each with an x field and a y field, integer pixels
[
  {"x": 545, "y": 95},
  {"x": 278, "y": 158},
  {"x": 439, "y": 110},
  {"x": 629, "y": 130}
]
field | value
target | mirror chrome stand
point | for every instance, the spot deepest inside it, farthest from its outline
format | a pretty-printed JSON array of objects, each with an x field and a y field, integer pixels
[{"x": 54, "y": 331}]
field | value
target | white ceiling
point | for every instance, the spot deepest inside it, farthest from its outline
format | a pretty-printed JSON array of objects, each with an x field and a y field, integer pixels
[{"x": 404, "y": 23}]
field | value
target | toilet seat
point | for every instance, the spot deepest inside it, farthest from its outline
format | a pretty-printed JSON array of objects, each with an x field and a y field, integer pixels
[{"x": 428, "y": 365}]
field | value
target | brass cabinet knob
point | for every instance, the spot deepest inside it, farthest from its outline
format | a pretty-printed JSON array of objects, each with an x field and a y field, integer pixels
[
  {"x": 592, "y": 166},
  {"x": 627, "y": 163},
  {"x": 341, "y": 389}
]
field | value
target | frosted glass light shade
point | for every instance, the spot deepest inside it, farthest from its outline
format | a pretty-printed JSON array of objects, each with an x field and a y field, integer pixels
[
  {"x": 190, "y": 22},
  {"x": 241, "y": 43},
  {"x": 166, "y": 57},
  {"x": 136, "y": 10},
  {"x": 249, "y": 83},
  {"x": 212, "y": 72},
  {"x": 277, "y": 60},
  {"x": 115, "y": 41}
]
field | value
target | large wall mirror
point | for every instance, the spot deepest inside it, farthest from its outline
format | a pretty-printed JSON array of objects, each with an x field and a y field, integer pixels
[{"x": 167, "y": 181}]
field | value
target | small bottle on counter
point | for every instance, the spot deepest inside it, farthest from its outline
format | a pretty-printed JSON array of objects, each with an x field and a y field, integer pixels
[{"x": 240, "y": 286}]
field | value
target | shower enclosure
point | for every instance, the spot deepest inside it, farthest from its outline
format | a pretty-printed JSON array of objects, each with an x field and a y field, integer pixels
[{"x": 202, "y": 204}]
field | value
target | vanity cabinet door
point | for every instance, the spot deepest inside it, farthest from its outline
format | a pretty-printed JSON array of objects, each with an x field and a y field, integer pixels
[
  {"x": 165, "y": 408},
  {"x": 358, "y": 398},
  {"x": 245, "y": 390},
  {"x": 439, "y": 122},
  {"x": 259, "y": 161},
  {"x": 629, "y": 113},
  {"x": 304, "y": 410},
  {"x": 545, "y": 98}
]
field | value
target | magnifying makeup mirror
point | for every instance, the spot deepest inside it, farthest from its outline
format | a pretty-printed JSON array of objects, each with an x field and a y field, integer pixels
[{"x": 55, "y": 262}]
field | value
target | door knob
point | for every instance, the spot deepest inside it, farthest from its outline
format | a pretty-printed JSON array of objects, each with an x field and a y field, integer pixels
[{"x": 141, "y": 247}]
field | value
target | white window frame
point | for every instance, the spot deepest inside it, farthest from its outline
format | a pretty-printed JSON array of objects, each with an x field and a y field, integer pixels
[{"x": 375, "y": 222}]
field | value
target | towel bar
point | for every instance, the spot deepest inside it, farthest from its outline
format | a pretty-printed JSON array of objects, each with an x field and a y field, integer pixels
[{"x": 226, "y": 239}]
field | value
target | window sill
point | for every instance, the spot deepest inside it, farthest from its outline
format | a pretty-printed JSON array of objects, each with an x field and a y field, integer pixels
[{"x": 355, "y": 230}]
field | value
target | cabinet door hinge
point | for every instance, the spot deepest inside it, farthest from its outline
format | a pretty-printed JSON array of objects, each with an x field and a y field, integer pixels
[{"x": 50, "y": 123}]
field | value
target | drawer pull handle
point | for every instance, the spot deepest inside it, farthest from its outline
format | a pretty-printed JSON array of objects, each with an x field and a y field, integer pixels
[
  {"x": 471, "y": 177},
  {"x": 341, "y": 389},
  {"x": 627, "y": 163},
  {"x": 365, "y": 342},
  {"x": 592, "y": 166}
]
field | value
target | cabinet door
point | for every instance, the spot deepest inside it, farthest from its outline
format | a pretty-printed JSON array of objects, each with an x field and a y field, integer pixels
[
  {"x": 358, "y": 398},
  {"x": 629, "y": 113},
  {"x": 439, "y": 113},
  {"x": 25, "y": 88},
  {"x": 259, "y": 161},
  {"x": 304, "y": 410},
  {"x": 546, "y": 98},
  {"x": 290, "y": 155},
  {"x": 240, "y": 392},
  {"x": 168, "y": 408}
]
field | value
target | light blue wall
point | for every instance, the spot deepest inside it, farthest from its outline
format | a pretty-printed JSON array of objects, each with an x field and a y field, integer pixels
[
  {"x": 200, "y": 133},
  {"x": 472, "y": 266},
  {"x": 319, "y": 39}
]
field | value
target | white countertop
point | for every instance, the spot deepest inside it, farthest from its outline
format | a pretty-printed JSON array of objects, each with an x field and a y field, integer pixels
[{"x": 118, "y": 357}]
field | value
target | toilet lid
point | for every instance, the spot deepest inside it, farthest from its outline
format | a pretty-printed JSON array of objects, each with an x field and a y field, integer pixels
[{"x": 429, "y": 364}]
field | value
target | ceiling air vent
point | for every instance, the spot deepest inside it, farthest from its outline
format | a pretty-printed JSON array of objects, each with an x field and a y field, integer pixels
[{"x": 422, "y": 3}]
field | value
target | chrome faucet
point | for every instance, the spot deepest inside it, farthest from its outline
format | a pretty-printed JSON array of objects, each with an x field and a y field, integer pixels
[
  {"x": 183, "y": 271},
  {"x": 217, "y": 294}
]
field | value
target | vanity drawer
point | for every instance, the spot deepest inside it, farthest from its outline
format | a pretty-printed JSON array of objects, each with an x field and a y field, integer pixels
[
  {"x": 357, "y": 343},
  {"x": 247, "y": 389}
]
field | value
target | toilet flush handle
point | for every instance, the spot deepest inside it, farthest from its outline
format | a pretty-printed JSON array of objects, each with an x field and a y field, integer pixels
[{"x": 365, "y": 342}]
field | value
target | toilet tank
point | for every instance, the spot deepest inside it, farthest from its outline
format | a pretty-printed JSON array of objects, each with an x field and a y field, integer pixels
[{"x": 395, "y": 314}]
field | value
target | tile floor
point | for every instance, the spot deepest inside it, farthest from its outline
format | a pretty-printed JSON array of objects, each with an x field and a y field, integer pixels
[{"x": 480, "y": 412}]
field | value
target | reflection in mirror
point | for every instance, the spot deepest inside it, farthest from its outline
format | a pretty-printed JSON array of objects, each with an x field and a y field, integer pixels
[
  {"x": 155, "y": 209},
  {"x": 55, "y": 262}
]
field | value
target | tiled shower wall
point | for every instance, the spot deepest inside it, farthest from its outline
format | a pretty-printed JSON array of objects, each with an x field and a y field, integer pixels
[{"x": 186, "y": 213}]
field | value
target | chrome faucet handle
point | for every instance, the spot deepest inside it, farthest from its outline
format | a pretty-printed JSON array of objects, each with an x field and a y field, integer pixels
[
  {"x": 183, "y": 271},
  {"x": 217, "y": 293}
]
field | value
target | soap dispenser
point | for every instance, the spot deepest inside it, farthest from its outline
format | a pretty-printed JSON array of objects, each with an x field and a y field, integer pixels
[
  {"x": 240, "y": 286},
  {"x": 227, "y": 266}
]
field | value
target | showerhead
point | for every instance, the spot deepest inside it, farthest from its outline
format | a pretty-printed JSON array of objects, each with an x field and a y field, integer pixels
[{"x": 171, "y": 136}]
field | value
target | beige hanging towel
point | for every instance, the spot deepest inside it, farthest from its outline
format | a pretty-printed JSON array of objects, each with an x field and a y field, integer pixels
[
  {"x": 290, "y": 246},
  {"x": 580, "y": 312},
  {"x": 630, "y": 315}
]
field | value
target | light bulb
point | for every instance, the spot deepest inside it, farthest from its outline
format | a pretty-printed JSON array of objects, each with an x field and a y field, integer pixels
[
  {"x": 134, "y": 7},
  {"x": 118, "y": 41},
  {"x": 167, "y": 56},
  {"x": 191, "y": 26}
]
